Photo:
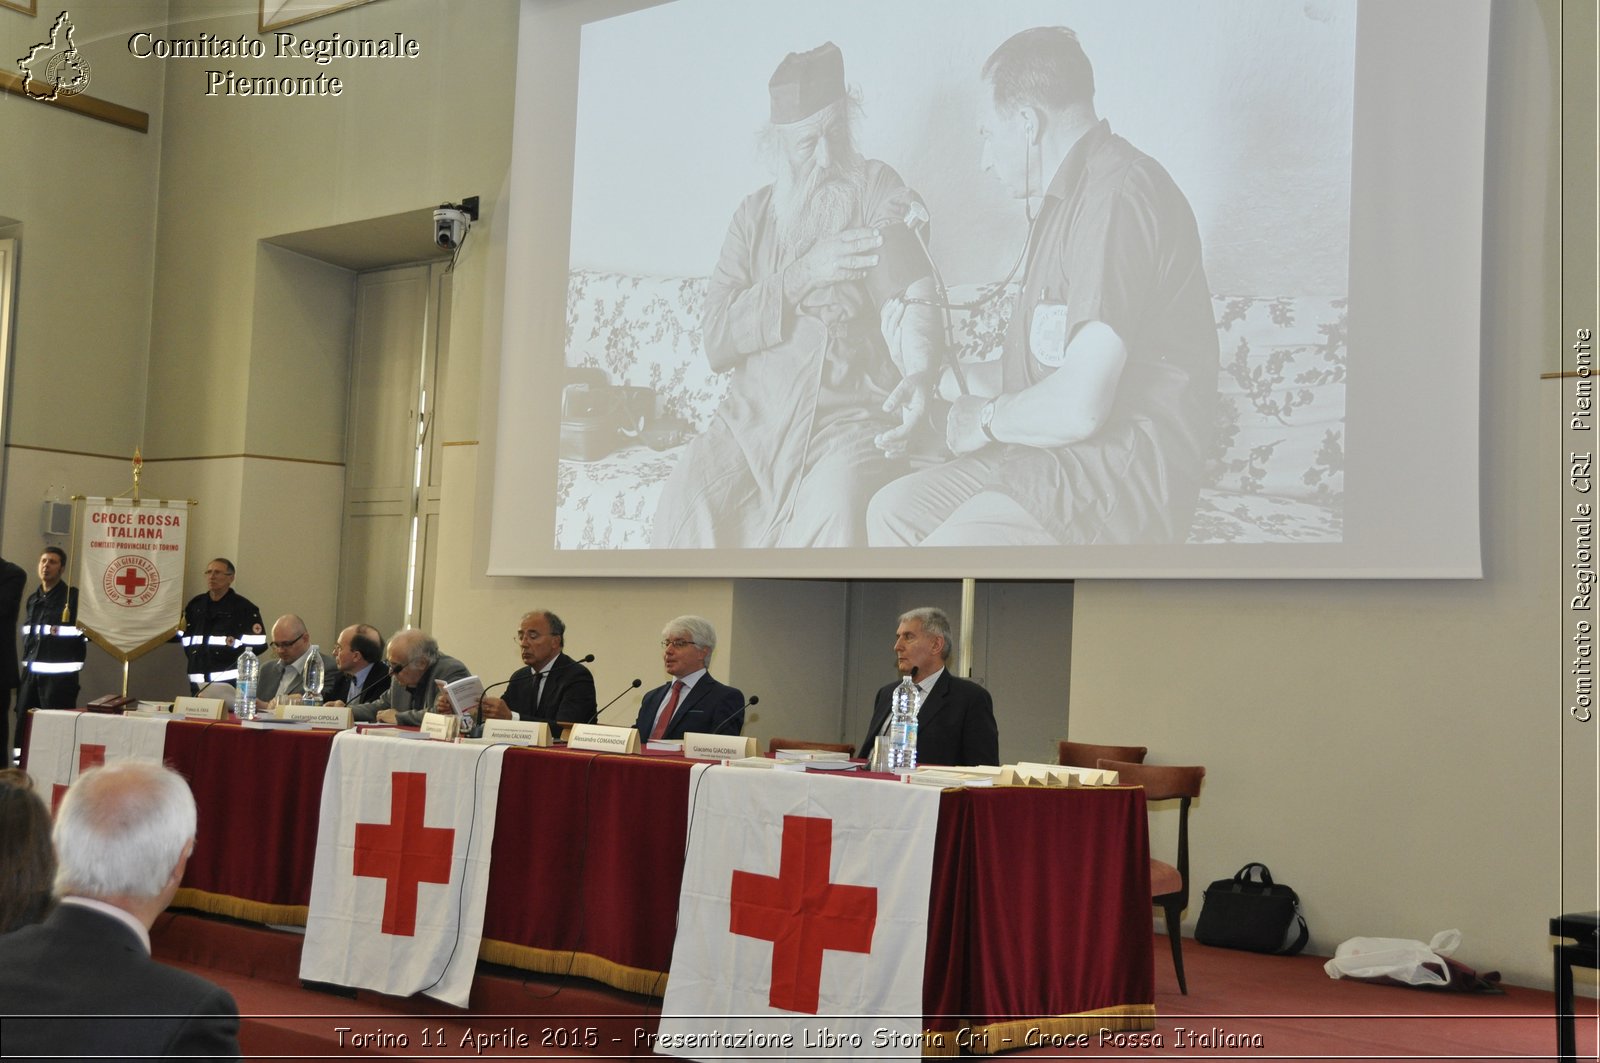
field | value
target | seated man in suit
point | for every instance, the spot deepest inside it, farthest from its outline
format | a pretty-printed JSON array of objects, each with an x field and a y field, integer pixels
[
  {"x": 693, "y": 701},
  {"x": 550, "y": 686},
  {"x": 82, "y": 984},
  {"x": 417, "y": 667},
  {"x": 362, "y": 673},
  {"x": 955, "y": 722},
  {"x": 284, "y": 677}
]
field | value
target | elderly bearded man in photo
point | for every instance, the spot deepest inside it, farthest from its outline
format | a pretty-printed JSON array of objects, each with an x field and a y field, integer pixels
[
  {"x": 1095, "y": 427},
  {"x": 802, "y": 440}
]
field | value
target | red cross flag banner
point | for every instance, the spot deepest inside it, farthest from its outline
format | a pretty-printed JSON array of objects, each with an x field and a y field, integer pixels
[
  {"x": 402, "y": 866},
  {"x": 130, "y": 573},
  {"x": 803, "y": 917},
  {"x": 64, "y": 743}
]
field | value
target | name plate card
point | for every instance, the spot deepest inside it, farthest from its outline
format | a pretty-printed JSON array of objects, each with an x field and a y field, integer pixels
[
  {"x": 698, "y": 746},
  {"x": 323, "y": 717},
  {"x": 149, "y": 709},
  {"x": 199, "y": 708},
  {"x": 599, "y": 738},
  {"x": 1025, "y": 774},
  {"x": 516, "y": 732},
  {"x": 441, "y": 726}
]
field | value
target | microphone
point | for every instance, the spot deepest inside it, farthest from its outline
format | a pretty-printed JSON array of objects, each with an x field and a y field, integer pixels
[
  {"x": 595, "y": 717},
  {"x": 735, "y": 716},
  {"x": 534, "y": 675},
  {"x": 587, "y": 658}
]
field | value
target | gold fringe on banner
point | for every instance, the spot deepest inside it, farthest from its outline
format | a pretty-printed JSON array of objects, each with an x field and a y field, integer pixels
[
  {"x": 1048, "y": 1032},
  {"x": 581, "y": 964},
  {"x": 240, "y": 908}
]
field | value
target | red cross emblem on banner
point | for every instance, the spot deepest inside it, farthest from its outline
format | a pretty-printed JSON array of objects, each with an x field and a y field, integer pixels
[
  {"x": 404, "y": 852},
  {"x": 89, "y": 756},
  {"x": 802, "y": 913}
]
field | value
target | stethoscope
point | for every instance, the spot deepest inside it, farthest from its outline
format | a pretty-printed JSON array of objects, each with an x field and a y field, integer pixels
[{"x": 917, "y": 219}]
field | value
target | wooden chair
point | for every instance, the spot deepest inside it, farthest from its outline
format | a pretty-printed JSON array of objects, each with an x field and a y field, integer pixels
[
  {"x": 1169, "y": 883},
  {"x": 799, "y": 743},
  {"x": 1089, "y": 755}
]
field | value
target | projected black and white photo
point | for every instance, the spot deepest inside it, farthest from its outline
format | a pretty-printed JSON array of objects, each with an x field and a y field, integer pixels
[
  {"x": 1019, "y": 289},
  {"x": 935, "y": 274}
]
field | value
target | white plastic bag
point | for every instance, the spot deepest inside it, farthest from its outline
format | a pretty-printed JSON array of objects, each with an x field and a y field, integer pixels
[{"x": 1410, "y": 962}]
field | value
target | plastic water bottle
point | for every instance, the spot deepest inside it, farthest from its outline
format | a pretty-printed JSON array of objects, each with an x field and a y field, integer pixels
[
  {"x": 903, "y": 705},
  {"x": 313, "y": 684},
  {"x": 244, "y": 705}
]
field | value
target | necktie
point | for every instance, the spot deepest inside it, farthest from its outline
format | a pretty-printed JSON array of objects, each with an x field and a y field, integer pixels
[
  {"x": 538, "y": 687},
  {"x": 666, "y": 714}
]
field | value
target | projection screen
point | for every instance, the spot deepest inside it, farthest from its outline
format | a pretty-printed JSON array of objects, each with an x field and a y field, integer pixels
[{"x": 682, "y": 392}]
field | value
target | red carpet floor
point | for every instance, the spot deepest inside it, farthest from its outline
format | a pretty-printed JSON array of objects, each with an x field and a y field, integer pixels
[{"x": 1240, "y": 1006}]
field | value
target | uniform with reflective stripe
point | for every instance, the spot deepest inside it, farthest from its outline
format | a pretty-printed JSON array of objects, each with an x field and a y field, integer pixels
[{"x": 216, "y": 632}]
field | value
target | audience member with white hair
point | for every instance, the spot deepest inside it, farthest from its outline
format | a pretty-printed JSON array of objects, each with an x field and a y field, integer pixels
[{"x": 83, "y": 983}]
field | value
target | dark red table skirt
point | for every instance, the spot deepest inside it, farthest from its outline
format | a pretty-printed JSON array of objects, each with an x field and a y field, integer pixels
[{"x": 1040, "y": 905}]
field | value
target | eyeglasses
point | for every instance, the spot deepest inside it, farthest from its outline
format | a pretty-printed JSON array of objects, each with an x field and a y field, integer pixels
[
  {"x": 291, "y": 642},
  {"x": 529, "y": 636},
  {"x": 396, "y": 667},
  {"x": 677, "y": 644}
]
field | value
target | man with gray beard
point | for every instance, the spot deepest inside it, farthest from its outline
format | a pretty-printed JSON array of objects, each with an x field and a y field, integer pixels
[{"x": 803, "y": 438}]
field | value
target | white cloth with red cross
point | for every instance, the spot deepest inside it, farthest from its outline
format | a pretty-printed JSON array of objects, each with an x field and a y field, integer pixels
[
  {"x": 803, "y": 916},
  {"x": 402, "y": 867}
]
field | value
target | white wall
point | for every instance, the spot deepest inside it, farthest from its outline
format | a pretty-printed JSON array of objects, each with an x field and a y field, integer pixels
[{"x": 1391, "y": 749}]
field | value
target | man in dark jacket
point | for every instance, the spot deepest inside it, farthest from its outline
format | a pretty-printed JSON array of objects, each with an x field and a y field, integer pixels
[
  {"x": 12, "y": 581},
  {"x": 53, "y": 649},
  {"x": 219, "y": 625},
  {"x": 82, "y": 983}
]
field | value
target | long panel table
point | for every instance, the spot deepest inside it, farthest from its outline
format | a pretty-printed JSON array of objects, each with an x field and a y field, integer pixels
[{"x": 1039, "y": 917}]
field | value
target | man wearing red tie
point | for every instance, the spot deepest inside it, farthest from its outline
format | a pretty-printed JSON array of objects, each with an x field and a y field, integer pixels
[{"x": 692, "y": 701}]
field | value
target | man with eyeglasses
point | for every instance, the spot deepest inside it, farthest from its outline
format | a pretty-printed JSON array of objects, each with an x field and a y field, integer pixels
[
  {"x": 284, "y": 677},
  {"x": 217, "y": 626},
  {"x": 550, "y": 686},
  {"x": 417, "y": 667},
  {"x": 692, "y": 701}
]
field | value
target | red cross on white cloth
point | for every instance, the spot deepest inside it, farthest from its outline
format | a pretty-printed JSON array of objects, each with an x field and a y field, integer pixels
[
  {"x": 803, "y": 912},
  {"x": 65, "y": 743},
  {"x": 402, "y": 866}
]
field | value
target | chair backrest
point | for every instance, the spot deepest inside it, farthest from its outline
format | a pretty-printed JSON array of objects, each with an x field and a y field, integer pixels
[
  {"x": 799, "y": 743},
  {"x": 1162, "y": 782},
  {"x": 1089, "y": 755}
]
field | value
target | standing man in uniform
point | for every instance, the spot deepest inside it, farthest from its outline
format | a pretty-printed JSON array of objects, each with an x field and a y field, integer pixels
[
  {"x": 12, "y": 582},
  {"x": 217, "y": 626},
  {"x": 1096, "y": 425},
  {"x": 53, "y": 649}
]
